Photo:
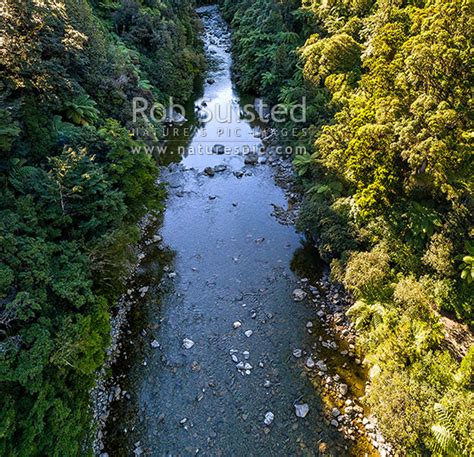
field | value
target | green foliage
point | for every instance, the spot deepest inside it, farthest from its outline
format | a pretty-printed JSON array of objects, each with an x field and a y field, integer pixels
[
  {"x": 82, "y": 110},
  {"x": 467, "y": 265},
  {"x": 444, "y": 431},
  {"x": 9, "y": 130},
  {"x": 439, "y": 255},
  {"x": 302, "y": 163},
  {"x": 264, "y": 40},
  {"x": 330, "y": 225},
  {"x": 368, "y": 273},
  {"x": 73, "y": 185},
  {"x": 388, "y": 184},
  {"x": 131, "y": 169},
  {"x": 328, "y": 56},
  {"x": 421, "y": 223},
  {"x": 366, "y": 315}
]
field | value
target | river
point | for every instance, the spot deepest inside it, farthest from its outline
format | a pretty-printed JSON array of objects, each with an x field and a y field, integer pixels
[{"x": 228, "y": 287}]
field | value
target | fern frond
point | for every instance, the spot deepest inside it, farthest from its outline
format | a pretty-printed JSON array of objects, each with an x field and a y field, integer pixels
[
  {"x": 444, "y": 432},
  {"x": 445, "y": 417}
]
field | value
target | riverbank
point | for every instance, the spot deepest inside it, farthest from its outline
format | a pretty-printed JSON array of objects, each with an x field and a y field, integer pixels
[
  {"x": 334, "y": 365},
  {"x": 107, "y": 388}
]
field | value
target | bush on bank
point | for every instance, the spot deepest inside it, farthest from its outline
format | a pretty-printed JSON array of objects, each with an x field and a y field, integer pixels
[
  {"x": 388, "y": 181},
  {"x": 71, "y": 195}
]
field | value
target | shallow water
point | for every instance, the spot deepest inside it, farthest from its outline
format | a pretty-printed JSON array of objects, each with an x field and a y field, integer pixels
[{"x": 233, "y": 262}]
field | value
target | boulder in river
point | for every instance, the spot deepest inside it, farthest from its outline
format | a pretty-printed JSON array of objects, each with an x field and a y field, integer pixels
[
  {"x": 187, "y": 343},
  {"x": 209, "y": 171},
  {"x": 299, "y": 295},
  {"x": 174, "y": 117},
  {"x": 301, "y": 409},
  {"x": 297, "y": 353},
  {"x": 269, "y": 417},
  {"x": 218, "y": 149},
  {"x": 321, "y": 365},
  {"x": 220, "y": 168},
  {"x": 251, "y": 159}
]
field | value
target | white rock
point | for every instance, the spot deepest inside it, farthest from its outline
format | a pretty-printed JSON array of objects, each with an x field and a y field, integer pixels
[
  {"x": 301, "y": 410},
  {"x": 247, "y": 366},
  {"x": 246, "y": 355},
  {"x": 234, "y": 358},
  {"x": 310, "y": 362},
  {"x": 299, "y": 295},
  {"x": 154, "y": 344},
  {"x": 187, "y": 343},
  {"x": 142, "y": 291},
  {"x": 321, "y": 365},
  {"x": 309, "y": 324},
  {"x": 237, "y": 324},
  {"x": 335, "y": 412},
  {"x": 248, "y": 333},
  {"x": 269, "y": 417},
  {"x": 297, "y": 353}
]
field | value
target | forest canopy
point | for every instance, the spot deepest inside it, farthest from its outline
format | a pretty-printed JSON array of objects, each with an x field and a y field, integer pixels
[{"x": 72, "y": 193}]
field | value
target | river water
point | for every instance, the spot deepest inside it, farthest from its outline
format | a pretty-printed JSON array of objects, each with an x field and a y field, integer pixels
[{"x": 229, "y": 260}]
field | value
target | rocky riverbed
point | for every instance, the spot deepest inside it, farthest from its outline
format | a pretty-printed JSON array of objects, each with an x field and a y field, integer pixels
[{"x": 231, "y": 340}]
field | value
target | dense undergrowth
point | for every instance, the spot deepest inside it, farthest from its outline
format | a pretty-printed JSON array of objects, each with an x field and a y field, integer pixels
[
  {"x": 388, "y": 182},
  {"x": 72, "y": 193}
]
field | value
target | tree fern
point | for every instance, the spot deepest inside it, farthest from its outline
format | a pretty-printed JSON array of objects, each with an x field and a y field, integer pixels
[
  {"x": 302, "y": 163},
  {"x": 21, "y": 175},
  {"x": 366, "y": 315},
  {"x": 82, "y": 110},
  {"x": 444, "y": 432}
]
